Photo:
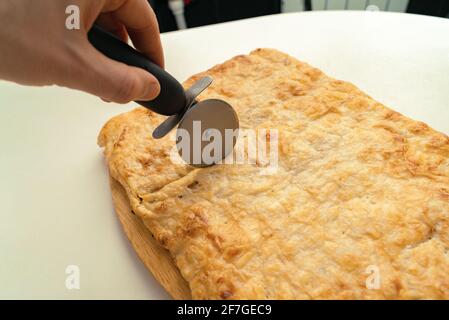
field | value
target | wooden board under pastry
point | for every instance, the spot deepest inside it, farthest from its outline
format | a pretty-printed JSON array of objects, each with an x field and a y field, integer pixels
[{"x": 155, "y": 258}]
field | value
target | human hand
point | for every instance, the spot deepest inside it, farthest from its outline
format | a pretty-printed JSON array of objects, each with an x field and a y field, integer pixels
[{"x": 36, "y": 48}]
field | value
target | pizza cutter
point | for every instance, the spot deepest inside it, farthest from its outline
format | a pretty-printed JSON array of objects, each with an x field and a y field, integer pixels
[{"x": 207, "y": 130}]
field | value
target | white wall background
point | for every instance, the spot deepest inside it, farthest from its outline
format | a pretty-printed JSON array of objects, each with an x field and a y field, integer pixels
[{"x": 298, "y": 5}]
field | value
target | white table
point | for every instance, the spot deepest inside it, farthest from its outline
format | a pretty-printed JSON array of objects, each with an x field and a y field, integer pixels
[{"x": 56, "y": 207}]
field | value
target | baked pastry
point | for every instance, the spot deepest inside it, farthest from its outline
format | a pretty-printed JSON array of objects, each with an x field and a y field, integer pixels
[{"x": 360, "y": 191}]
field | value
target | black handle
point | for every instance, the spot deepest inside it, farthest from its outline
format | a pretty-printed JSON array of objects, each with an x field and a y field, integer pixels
[{"x": 172, "y": 98}]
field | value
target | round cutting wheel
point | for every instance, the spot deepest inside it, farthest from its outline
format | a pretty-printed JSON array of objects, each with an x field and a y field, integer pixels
[{"x": 207, "y": 133}]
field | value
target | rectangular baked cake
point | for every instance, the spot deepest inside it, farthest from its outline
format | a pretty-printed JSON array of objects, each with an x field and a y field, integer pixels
[{"x": 357, "y": 208}]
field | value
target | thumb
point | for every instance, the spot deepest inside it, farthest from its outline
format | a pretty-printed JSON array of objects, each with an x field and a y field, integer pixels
[{"x": 115, "y": 81}]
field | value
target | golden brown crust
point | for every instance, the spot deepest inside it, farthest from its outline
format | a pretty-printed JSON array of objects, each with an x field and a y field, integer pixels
[{"x": 358, "y": 185}]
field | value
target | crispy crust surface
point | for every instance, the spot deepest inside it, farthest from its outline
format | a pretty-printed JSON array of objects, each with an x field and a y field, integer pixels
[{"x": 359, "y": 188}]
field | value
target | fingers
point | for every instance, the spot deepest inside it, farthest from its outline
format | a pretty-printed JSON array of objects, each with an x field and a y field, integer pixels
[
  {"x": 109, "y": 23},
  {"x": 141, "y": 25},
  {"x": 106, "y": 78},
  {"x": 113, "y": 81}
]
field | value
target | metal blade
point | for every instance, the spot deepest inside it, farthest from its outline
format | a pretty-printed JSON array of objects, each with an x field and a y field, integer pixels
[
  {"x": 168, "y": 124},
  {"x": 207, "y": 133}
]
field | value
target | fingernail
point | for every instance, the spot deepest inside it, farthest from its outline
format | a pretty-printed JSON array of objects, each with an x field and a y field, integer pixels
[{"x": 151, "y": 92}]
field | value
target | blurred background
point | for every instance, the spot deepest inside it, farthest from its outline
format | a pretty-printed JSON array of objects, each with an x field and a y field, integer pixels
[{"x": 180, "y": 14}]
